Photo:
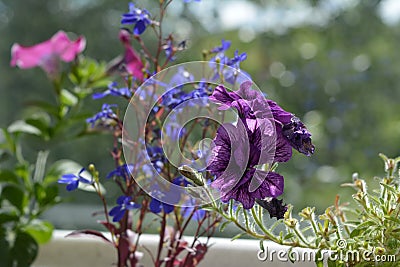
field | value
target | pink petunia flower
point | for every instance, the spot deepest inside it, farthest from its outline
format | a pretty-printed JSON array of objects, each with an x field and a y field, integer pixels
[{"x": 47, "y": 54}]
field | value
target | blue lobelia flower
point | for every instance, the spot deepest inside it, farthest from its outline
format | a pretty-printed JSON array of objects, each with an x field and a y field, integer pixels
[
  {"x": 223, "y": 47},
  {"x": 157, "y": 206},
  {"x": 105, "y": 114},
  {"x": 123, "y": 171},
  {"x": 139, "y": 17},
  {"x": 73, "y": 180},
  {"x": 124, "y": 203},
  {"x": 114, "y": 91},
  {"x": 169, "y": 49},
  {"x": 188, "y": 1},
  {"x": 198, "y": 213}
]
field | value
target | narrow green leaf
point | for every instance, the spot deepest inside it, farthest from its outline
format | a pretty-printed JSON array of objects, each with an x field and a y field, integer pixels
[
  {"x": 238, "y": 236},
  {"x": 21, "y": 126},
  {"x": 67, "y": 98},
  {"x": 319, "y": 259},
  {"x": 288, "y": 236},
  {"x": 223, "y": 225}
]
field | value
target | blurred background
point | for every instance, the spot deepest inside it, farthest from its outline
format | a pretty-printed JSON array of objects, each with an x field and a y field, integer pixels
[{"x": 334, "y": 63}]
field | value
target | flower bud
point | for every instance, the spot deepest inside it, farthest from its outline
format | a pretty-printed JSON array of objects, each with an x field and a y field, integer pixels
[
  {"x": 291, "y": 222},
  {"x": 191, "y": 174},
  {"x": 379, "y": 251}
]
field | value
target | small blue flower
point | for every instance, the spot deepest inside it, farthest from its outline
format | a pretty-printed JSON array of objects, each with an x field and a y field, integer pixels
[
  {"x": 139, "y": 17},
  {"x": 223, "y": 47},
  {"x": 198, "y": 214},
  {"x": 169, "y": 49},
  {"x": 114, "y": 91},
  {"x": 157, "y": 206},
  {"x": 123, "y": 171},
  {"x": 237, "y": 59},
  {"x": 181, "y": 77},
  {"x": 105, "y": 114},
  {"x": 157, "y": 157},
  {"x": 72, "y": 180},
  {"x": 123, "y": 203}
]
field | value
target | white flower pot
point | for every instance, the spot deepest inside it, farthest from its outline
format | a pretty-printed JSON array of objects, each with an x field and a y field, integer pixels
[{"x": 86, "y": 251}]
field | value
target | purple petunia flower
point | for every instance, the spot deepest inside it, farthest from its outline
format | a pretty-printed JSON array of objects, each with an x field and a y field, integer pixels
[
  {"x": 236, "y": 154},
  {"x": 250, "y": 104},
  {"x": 73, "y": 180},
  {"x": 239, "y": 149},
  {"x": 114, "y": 91},
  {"x": 105, "y": 114},
  {"x": 139, "y": 17},
  {"x": 124, "y": 203}
]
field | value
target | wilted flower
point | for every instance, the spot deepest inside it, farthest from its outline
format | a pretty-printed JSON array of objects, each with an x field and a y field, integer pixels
[
  {"x": 73, "y": 180},
  {"x": 47, "y": 54},
  {"x": 124, "y": 203},
  {"x": 274, "y": 206}
]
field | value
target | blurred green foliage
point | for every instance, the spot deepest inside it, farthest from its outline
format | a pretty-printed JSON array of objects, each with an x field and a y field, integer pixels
[{"x": 340, "y": 78}]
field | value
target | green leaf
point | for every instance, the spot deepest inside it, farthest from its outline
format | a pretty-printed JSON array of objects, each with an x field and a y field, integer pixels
[
  {"x": 14, "y": 195},
  {"x": 40, "y": 230},
  {"x": 7, "y": 176},
  {"x": 24, "y": 251},
  {"x": 44, "y": 106},
  {"x": 355, "y": 232},
  {"x": 288, "y": 236},
  {"x": 223, "y": 225},
  {"x": 319, "y": 259},
  {"x": 21, "y": 126},
  {"x": 291, "y": 256},
  {"x": 262, "y": 245},
  {"x": 67, "y": 98},
  {"x": 46, "y": 196},
  {"x": 8, "y": 217},
  {"x": 41, "y": 123},
  {"x": 4, "y": 248},
  {"x": 238, "y": 236}
]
